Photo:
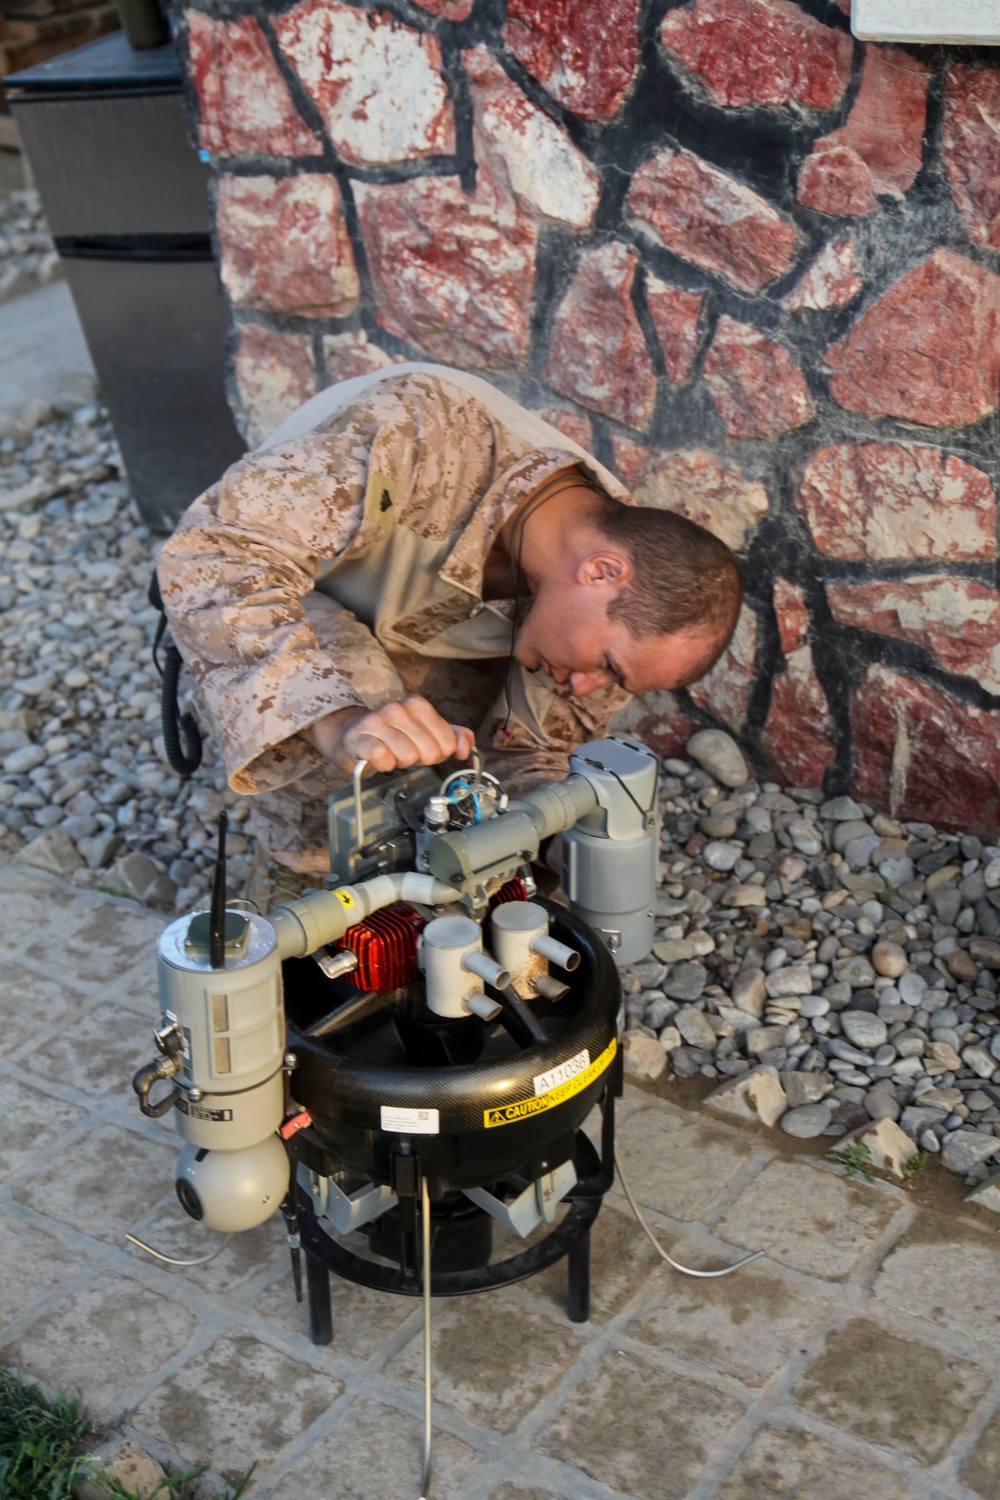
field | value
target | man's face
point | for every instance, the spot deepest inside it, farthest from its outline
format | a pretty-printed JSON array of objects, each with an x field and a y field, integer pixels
[{"x": 570, "y": 637}]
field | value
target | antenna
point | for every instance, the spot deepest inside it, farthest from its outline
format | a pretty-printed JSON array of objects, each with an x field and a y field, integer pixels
[{"x": 217, "y": 917}]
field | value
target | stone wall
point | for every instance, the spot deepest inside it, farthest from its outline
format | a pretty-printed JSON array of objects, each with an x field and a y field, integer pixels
[{"x": 753, "y": 263}]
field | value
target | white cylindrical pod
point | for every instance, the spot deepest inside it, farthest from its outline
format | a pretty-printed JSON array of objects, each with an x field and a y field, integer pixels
[
  {"x": 445, "y": 944},
  {"x": 233, "y": 1028},
  {"x": 517, "y": 927}
]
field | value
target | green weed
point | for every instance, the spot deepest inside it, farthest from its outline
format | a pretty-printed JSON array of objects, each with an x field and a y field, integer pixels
[
  {"x": 853, "y": 1157},
  {"x": 42, "y": 1445}
]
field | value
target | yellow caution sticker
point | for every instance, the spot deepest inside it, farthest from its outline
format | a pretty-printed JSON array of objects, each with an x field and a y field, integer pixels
[
  {"x": 345, "y": 898},
  {"x": 523, "y": 1109}
]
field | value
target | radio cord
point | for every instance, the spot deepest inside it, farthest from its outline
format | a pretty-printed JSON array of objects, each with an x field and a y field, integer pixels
[{"x": 651, "y": 1237}]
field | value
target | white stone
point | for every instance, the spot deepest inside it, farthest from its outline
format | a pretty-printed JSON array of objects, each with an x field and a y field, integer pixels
[
  {"x": 756, "y": 1095},
  {"x": 545, "y": 171},
  {"x": 718, "y": 754},
  {"x": 891, "y": 1148},
  {"x": 382, "y": 97},
  {"x": 644, "y": 1058},
  {"x": 128, "y": 1465}
]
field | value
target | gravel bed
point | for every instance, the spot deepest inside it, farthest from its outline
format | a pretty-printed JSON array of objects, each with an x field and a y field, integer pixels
[
  {"x": 28, "y": 257},
  {"x": 847, "y": 960},
  {"x": 845, "y": 963},
  {"x": 84, "y": 788}
]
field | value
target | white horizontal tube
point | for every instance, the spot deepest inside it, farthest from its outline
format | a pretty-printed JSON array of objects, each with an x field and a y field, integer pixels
[{"x": 555, "y": 952}]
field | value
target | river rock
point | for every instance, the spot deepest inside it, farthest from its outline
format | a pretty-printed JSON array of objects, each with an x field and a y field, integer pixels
[
  {"x": 863, "y": 1029},
  {"x": 695, "y": 1027},
  {"x": 807, "y": 1121},
  {"x": 965, "y": 1149},
  {"x": 720, "y": 756}
]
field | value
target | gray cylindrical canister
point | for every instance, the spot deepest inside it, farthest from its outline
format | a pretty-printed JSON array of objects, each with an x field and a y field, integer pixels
[{"x": 610, "y": 856}]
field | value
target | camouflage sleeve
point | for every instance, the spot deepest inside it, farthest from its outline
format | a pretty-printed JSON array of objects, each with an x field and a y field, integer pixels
[
  {"x": 534, "y": 725},
  {"x": 233, "y": 578}
]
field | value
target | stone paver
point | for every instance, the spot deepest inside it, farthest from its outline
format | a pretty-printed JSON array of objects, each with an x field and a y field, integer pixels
[
  {"x": 793, "y": 1465},
  {"x": 892, "y": 1390},
  {"x": 237, "y": 1387},
  {"x": 745, "y": 1325},
  {"x": 857, "y": 1359},
  {"x": 809, "y": 1219},
  {"x": 496, "y": 1358},
  {"x": 639, "y": 1428},
  {"x": 982, "y": 1472},
  {"x": 375, "y": 1451},
  {"x": 954, "y": 1285},
  {"x": 102, "y": 1339}
]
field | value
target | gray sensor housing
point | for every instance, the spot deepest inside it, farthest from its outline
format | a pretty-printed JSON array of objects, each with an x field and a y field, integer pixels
[{"x": 610, "y": 855}]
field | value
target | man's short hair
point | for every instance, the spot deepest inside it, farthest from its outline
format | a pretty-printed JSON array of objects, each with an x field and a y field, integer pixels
[{"x": 686, "y": 580}]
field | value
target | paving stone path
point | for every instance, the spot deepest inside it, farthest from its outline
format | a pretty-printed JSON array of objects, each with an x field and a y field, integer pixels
[{"x": 859, "y": 1358}]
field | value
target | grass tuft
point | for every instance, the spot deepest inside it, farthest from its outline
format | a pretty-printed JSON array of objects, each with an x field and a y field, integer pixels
[{"x": 42, "y": 1445}]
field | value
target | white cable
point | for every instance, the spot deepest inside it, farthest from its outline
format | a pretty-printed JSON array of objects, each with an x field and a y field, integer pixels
[
  {"x": 171, "y": 1260},
  {"x": 651, "y": 1237}
]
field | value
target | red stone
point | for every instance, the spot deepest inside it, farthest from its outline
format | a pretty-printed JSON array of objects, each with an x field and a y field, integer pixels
[
  {"x": 570, "y": 424},
  {"x": 792, "y": 613},
  {"x": 757, "y": 387},
  {"x": 836, "y": 181},
  {"x": 711, "y": 219},
  {"x": 971, "y": 148},
  {"x": 798, "y": 734},
  {"x": 629, "y": 460},
  {"x": 346, "y": 355},
  {"x": 676, "y": 316},
  {"x": 760, "y": 52},
  {"x": 880, "y": 501},
  {"x": 301, "y": 217},
  {"x": 377, "y": 83},
  {"x": 956, "y": 619},
  {"x": 829, "y": 282},
  {"x": 725, "y": 692},
  {"x": 448, "y": 10},
  {"x": 453, "y": 272},
  {"x": 526, "y": 150},
  {"x": 797, "y": 737},
  {"x": 928, "y": 350},
  {"x": 699, "y": 485},
  {"x": 597, "y": 353},
  {"x": 926, "y": 756},
  {"x": 274, "y": 375},
  {"x": 244, "y": 106},
  {"x": 583, "y": 52},
  {"x": 879, "y": 149}
]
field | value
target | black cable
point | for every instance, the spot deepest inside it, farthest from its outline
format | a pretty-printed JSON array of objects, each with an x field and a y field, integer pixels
[{"x": 185, "y": 761}]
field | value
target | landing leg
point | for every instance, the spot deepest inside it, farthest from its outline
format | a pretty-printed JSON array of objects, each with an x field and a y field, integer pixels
[
  {"x": 578, "y": 1289},
  {"x": 320, "y": 1309}
]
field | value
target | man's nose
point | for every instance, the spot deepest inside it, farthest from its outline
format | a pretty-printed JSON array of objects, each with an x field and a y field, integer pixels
[{"x": 583, "y": 683}]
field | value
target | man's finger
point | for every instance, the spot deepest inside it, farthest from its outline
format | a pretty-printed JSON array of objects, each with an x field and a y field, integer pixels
[
  {"x": 432, "y": 738},
  {"x": 465, "y": 741}
]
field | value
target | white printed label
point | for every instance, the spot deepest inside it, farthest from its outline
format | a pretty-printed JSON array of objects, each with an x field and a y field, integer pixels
[
  {"x": 565, "y": 1071},
  {"x": 410, "y": 1121}
]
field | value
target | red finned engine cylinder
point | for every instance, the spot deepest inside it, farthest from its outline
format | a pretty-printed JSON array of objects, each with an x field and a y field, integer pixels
[{"x": 386, "y": 946}]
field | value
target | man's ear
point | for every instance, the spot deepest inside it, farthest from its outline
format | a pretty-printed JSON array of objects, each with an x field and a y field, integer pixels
[{"x": 608, "y": 568}]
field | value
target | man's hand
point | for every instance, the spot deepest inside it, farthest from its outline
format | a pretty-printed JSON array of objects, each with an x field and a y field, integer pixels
[{"x": 408, "y": 733}]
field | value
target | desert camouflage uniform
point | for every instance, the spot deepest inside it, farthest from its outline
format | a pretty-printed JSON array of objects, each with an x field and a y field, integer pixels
[{"x": 341, "y": 564}]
